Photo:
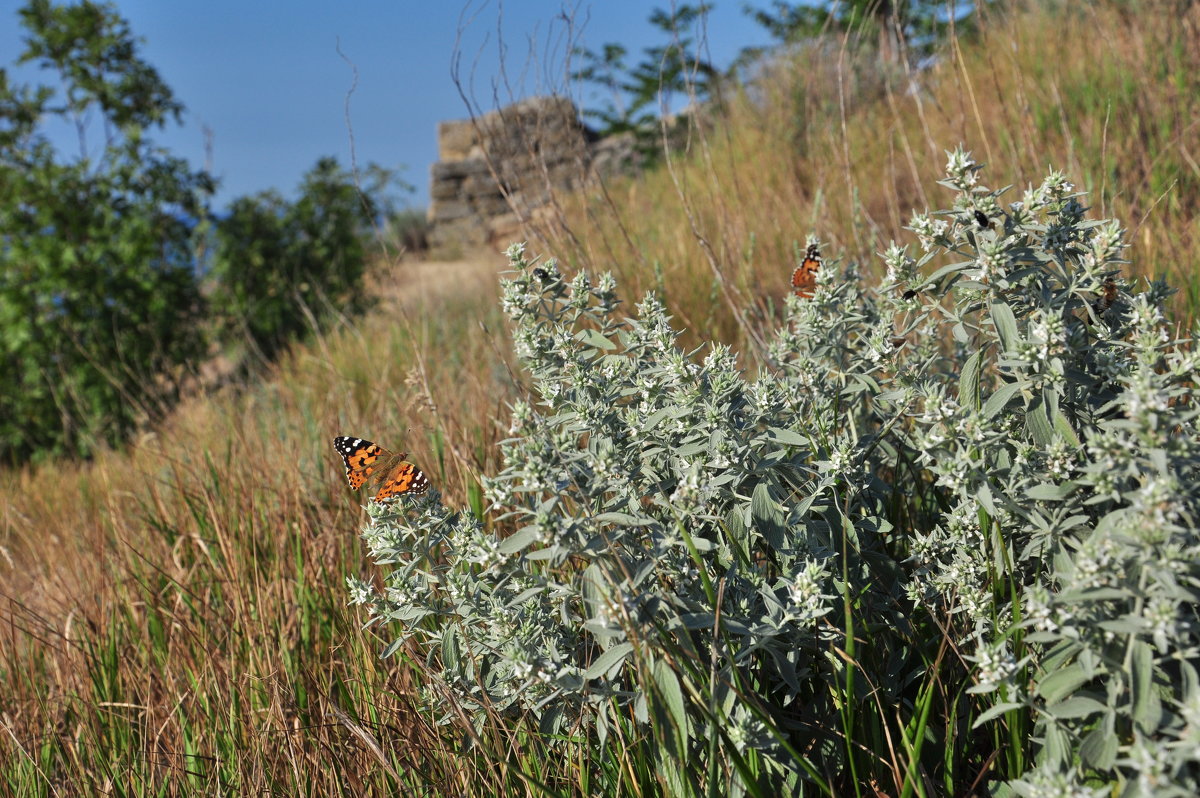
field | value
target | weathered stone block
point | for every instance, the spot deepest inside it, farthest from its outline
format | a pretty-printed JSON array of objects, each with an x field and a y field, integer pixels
[
  {"x": 444, "y": 190},
  {"x": 448, "y": 210},
  {"x": 456, "y": 138},
  {"x": 457, "y": 170},
  {"x": 532, "y": 149},
  {"x": 503, "y": 228},
  {"x": 490, "y": 206}
]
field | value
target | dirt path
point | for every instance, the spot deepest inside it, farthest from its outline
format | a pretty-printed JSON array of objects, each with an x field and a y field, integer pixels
[
  {"x": 408, "y": 283},
  {"x": 426, "y": 281}
]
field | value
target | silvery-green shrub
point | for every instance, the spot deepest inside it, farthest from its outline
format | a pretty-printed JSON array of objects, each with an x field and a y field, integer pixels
[
  {"x": 1069, "y": 460},
  {"x": 947, "y": 535}
]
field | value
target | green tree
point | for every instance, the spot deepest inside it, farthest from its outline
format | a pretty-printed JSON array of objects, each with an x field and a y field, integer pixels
[
  {"x": 99, "y": 303},
  {"x": 631, "y": 96},
  {"x": 896, "y": 24},
  {"x": 280, "y": 266}
]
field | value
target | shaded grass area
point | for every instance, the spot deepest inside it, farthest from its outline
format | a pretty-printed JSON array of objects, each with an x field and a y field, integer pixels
[{"x": 172, "y": 617}]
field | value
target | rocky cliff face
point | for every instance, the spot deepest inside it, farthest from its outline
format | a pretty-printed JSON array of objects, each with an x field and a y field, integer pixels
[{"x": 496, "y": 171}]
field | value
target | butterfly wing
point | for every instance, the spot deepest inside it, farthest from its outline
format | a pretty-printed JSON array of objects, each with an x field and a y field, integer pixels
[
  {"x": 360, "y": 458},
  {"x": 404, "y": 478},
  {"x": 804, "y": 278}
]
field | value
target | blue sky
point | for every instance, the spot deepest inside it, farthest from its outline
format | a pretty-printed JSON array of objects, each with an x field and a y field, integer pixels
[{"x": 266, "y": 79}]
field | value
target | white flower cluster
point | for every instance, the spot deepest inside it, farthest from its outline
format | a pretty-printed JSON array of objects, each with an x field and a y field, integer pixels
[
  {"x": 961, "y": 170},
  {"x": 994, "y": 665},
  {"x": 1002, "y": 456},
  {"x": 930, "y": 233},
  {"x": 808, "y": 600}
]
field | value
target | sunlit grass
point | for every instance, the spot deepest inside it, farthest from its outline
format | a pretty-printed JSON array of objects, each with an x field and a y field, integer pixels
[
  {"x": 175, "y": 613},
  {"x": 834, "y": 144}
]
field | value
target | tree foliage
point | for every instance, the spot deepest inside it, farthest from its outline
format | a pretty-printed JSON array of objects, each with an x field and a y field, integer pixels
[
  {"x": 897, "y": 24},
  {"x": 98, "y": 298},
  {"x": 634, "y": 94},
  {"x": 280, "y": 266}
]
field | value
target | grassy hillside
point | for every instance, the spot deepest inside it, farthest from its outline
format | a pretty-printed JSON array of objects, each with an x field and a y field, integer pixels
[
  {"x": 174, "y": 619},
  {"x": 176, "y": 613},
  {"x": 831, "y": 143}
]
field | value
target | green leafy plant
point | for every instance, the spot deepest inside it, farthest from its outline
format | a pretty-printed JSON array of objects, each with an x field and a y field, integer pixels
[
  {"x": 98, "y": 298},
  {"x": 633, "y": 96},
  {"x": 944, "y": 543},
  {"x": 407, "y": 232},
  {"x": 279, "y": 266},
  {"x": 1069, "y": 461},
  {"x": 898, "y": 25}
]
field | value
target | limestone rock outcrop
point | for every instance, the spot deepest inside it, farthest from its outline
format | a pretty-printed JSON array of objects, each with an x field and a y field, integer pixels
[{"x": 496, "y": 170}]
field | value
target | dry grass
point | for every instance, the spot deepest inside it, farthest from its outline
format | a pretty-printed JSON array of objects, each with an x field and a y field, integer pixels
[
  {"x": 172, "y": 616},
  {"x": 834, "y": 145}
]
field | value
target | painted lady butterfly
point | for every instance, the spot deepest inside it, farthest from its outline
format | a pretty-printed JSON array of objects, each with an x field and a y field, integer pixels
[
  {"x": 804, "y": 279},
  {"x": 395, "y": 475}
]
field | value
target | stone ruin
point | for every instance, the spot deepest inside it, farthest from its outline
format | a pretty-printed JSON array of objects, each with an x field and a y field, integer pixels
[{"x": 496, "y": 171}]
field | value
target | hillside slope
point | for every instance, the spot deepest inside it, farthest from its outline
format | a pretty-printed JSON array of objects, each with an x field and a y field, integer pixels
[
  {"x": 180, "y": 604},
  {"x": 174, "y": 616}
]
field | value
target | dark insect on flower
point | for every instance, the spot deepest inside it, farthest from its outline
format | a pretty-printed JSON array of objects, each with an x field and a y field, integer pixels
[
  {"x": 541, "y": 274},
  {"x": 981, "y": 219},
  {"x": 910, "y": 293}
]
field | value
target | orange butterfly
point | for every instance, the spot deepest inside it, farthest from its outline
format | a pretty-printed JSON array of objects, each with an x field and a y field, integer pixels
[
  {"x": 397, "y": 476},
  {"x": 804, "y": 279}
]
